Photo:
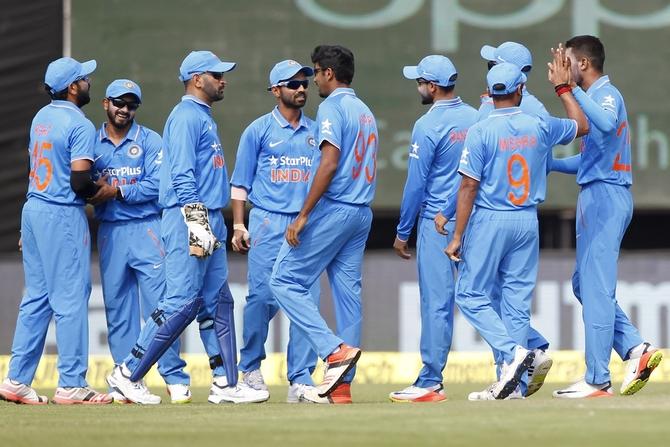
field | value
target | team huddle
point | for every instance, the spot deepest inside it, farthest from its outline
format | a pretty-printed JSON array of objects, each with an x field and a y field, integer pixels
[{"x": 474, "y": 181}]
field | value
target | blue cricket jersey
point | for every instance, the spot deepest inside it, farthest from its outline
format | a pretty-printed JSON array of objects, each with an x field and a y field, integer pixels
[
  {"x": 529, "y": 104},
  {"x": 133, "y": 166},
  {"x": 59, "y": 135},
  {"x": 193, "y": 168},
  {"x": 605, "y": 150},
  {"x": 507, "y": 153},
  {"x": 432, "y": 179},
  {"x": 348, "y": 124},
  {"x": 274, "y": 162}
]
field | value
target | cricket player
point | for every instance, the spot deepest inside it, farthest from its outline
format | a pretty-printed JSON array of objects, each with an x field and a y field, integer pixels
[
  {"x": 520, "y": 56},
  {"x": 272, "y": 171},
  {"x": 504, "y": 169},
  {"x": 55, "y": 239},
  {"x": 131, "y": 253},
  {"x": 332, "y": 226},
  {"x": 604, "y": 210},
  {"x": 432, "y": 181},
  {"x": 193, "y": 189}
]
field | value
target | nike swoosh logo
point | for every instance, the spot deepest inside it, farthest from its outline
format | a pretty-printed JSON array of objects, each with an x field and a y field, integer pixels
[
  {"x": 157, "y": 266},
  {"x": 565, "y": 392},
  {"x": 275, "y": 143},
  {"x": 97, "y": 158}
]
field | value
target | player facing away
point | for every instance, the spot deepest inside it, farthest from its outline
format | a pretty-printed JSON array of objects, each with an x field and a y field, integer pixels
[
  {"x": 272, "y": 171},
  {"x": 128, "y": 155},
  {"x": 504, "y": 174},
  {"x": 193, "y": 189},
  {"x": 55, "y": 239},
  {"x": 520, "y": 56},
  {"x": 331, "y": 229},
  {"x": 432, "y": 181},
  {"x": 604, "y": 210}
]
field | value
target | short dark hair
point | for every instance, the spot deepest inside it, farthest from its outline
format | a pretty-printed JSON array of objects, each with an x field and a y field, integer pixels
[
  {"x": 337, "y": 58},
  {"x": 448, "y": 89},
  {"x": 62, "y": 95},
  {"x": 589, "y": 47}
]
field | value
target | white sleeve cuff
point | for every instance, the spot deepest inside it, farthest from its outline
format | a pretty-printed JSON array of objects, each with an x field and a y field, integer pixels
[{"x": 237, "y": 193}]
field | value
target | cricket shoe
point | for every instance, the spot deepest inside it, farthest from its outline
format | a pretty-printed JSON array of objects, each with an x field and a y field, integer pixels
[
  {"x": 538, "y": 371},
  {"x": 418, "y": 394},
  {"x": 341, "y": 395},
  {"x": 338, "y": 364},
  {"x": 179, "y": 393},
  {"x": 487, "y": 394},
  {"x": 254, "y": 379},
  {"x": 136, "y": 392},
  {"x": 581, "y": 390},
  {"x": 303, "y": 393},
  {"x": 241, "y": 393},
  {"x": 643, "y": 361},
  {"x": 118, "y": 398},
  {"x": 80, "y": 395},
  {"x": 511, "y": 373},
  {"x": 17, "y": 392}
]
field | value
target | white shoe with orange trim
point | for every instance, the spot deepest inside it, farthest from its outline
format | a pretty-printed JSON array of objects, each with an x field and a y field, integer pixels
[
  {"x": 19, "y": 393},
  {"x": 581, "y": 390},
  {"x": 418, "y": 394},
  {"x": 80, "y": 395},
  {"x": 643, "y": 361}
]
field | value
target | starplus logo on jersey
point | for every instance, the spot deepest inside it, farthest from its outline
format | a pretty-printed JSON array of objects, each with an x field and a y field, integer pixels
[
  {"x": 290, "y": 175},
  {"x": 121, "y": 172}
]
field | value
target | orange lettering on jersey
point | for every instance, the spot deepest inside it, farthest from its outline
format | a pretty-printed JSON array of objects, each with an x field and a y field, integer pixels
[
  {"x": 618, "y": 166},
  {"x": 217, "y": 161}
]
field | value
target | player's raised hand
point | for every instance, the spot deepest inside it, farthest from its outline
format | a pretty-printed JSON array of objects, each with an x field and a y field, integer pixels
[
  {"x": 453, "y": 250},
  {"x": 294, "y": 229},
  {"x": 559, "y": 68},
  {"x": 440, "y": 222},
  {"x": 240, "y": 240},
  {"x": 400, "y": 248}
]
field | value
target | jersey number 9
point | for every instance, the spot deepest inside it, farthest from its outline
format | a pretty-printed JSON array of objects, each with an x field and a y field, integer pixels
[{"x": 522, "y": 181}]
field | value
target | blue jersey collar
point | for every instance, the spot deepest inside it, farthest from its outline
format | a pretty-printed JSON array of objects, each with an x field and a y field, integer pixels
[
  {"x": 66, "y": 104},
  {"x": 133, "y": 133},
  {"x": 599, "y": 83},
  {"x": 506, "y": 111},
  {"x": 195, "y": 99},
  {"x": 276, "y": 114},
  {"x": 447, "y": 103}
]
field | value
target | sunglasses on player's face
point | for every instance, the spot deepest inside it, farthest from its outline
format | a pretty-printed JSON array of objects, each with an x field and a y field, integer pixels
[
  {"x": 294, "y": 84},
  {"x": 121, "y": 103},
  {"x": 216, "y": 75}
]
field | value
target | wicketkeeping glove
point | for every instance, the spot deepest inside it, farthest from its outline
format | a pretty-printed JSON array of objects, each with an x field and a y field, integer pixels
[{"x": 201, "y": 240}]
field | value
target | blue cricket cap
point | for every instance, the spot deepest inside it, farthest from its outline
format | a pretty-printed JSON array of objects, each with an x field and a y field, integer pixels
[
  {"x": 64, "y": 71},
  {"x": 511, "y": 52},
  {"x": 286, "y": 70},
  {"x": 435, "y": 68},
  {"x": 504, "y": 78},
  {"x": 122, "y": 87},
  {"x": 201, "y": 61}
]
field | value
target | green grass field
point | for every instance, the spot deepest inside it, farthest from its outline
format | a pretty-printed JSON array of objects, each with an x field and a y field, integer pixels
[{"x": 540, "y": 421}]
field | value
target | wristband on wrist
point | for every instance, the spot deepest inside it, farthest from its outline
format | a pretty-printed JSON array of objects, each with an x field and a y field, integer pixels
[
  {"x": 239, "y": 227},
  {"x": 562, "y": 88}
]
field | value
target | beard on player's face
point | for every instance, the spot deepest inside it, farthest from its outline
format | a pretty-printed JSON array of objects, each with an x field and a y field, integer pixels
[
  {"x": 119, "y": 118},
  {"x": 293, "y": 99},
  {"x": 83, "y": 96}
]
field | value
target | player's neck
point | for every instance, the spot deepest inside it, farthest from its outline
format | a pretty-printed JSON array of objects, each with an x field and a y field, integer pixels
[
  {"x": 440, "y": 96},
  {"x": 115, "y": 134},
  {"x": 589, "y": 78},
  {"x": 290, "y": 114}
]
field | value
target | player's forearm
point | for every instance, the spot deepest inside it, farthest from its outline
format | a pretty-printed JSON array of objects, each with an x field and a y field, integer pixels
[
  {"x": 140, "y": 192},
  {"x": 465, "y": 202},
  {"x": 409, "y": 208},
  {"x": 238, "y": 211},
  {"x": 604, "y": 120},
  {"x": 575, "y": 112},
  {"x": 322, "y": 178},
  {"x": 568, "y": 165}
]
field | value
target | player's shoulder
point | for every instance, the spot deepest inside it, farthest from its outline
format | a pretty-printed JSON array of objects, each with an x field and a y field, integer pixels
[{"x": 148, "y": 134}]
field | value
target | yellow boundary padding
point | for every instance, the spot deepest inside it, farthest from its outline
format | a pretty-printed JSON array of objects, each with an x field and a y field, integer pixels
[{"x": 373, "y": 367}]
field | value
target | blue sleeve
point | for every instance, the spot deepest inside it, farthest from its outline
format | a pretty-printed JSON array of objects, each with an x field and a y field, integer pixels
[
  {"x": 82, "y": 141},
  {"x": 600, "y": 110},
  {"x": 246, "y": 160},
  {"x": 329, "y": 122},
  {"x": 421, "y": 155},
  {"x": 184, "y": 131},
  {"x": 560, "y": 131},
  {"x": 473, "y": 157},
  {"x": 568, "y": 165},
  {"x": 146, "y": 189},
  {"x": 485, "y": 108}
]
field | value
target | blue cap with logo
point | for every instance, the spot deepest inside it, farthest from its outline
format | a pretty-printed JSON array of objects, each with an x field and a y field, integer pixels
[
  {"x": 511, "y": 52},
  {"x": 504, "y": 78},
  {"x": 201, "y": 61},
  {"x": 286, "y": 70},
  {"x": 122, "y": 87},
  {"x": 64, "y": 71},
  {"x": 434, "y": 68}
]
